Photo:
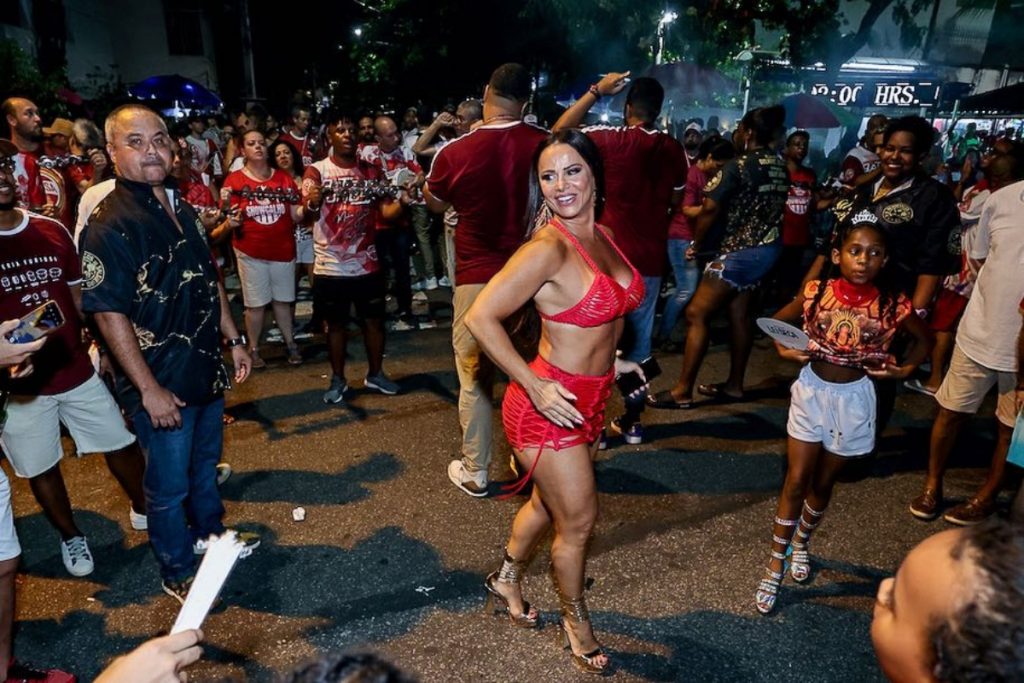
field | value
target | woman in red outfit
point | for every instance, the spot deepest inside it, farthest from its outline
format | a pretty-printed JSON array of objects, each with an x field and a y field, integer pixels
[{"x": 581, "y": 285}]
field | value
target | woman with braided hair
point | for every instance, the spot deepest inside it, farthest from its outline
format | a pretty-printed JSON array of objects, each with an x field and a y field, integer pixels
[{"x": 851, "y": 317}]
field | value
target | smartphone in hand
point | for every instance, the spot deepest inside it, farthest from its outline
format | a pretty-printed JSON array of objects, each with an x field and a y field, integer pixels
[
  {"x": 631, "y": 381},
  {"x": 39, "y": 322}
]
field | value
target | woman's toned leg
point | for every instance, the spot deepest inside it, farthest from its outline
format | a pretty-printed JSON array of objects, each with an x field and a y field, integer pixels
[
  {"x": 531, "y": 523},
  {"x": 565, "y": 481},
  {"x": 711, "y": 295}
]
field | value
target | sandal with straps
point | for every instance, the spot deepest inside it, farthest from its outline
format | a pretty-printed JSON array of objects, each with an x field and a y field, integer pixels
[
  {"x": 575, "y": 610},
  {"x": 768, "y": 587},
  {"x": 800, "y": 567},
  {"x": 767, "y": 592},
  {"x": 511, "y": 572}
]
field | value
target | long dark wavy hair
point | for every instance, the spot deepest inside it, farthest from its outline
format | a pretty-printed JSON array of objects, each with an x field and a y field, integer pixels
[
  {"x": 591, "y": 156},
  {"x": 297, "y": 167},
  {"x": 888, "y": 294}
]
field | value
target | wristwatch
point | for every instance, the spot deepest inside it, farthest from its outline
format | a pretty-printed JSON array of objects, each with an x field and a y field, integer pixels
[
  {"x": 594, "y": 91},
  {"x": 237, "y": 341}
]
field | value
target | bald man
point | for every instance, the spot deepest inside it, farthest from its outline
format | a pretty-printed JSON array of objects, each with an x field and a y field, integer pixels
[
  {"x": 25, "y": 130},
  {"x": 152, "y": 286}
]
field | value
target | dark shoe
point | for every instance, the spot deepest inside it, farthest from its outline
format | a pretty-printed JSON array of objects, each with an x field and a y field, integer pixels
[
  {"x": 972, "y": 512},
  {"x": 716, "y": 392},
  {"x": 666, "y": 401},
  {"x": 926, "y": 506},
  {"x": 178, "y": 589},
  {"x": 633, "y": 434}
]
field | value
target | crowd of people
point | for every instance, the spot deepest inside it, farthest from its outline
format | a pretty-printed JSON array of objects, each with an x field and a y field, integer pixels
[{"x": 558, "y": 247}]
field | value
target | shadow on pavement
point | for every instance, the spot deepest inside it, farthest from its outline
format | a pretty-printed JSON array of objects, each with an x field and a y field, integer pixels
[
  {"x": 675, "y": 471},
  {"x": 759, "y": 423},
  {"x": 703, "y": 646},
  {"x": 312, "y": 488}
]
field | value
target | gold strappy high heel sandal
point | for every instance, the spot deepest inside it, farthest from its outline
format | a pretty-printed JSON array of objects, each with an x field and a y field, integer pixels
[
  {"x": 574, "y": 610},
  {"x": 511, "y": 572}
]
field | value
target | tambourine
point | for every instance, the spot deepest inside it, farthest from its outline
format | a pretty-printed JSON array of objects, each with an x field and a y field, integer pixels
[
  {"x": 348, "y": 191},
  {"x": 288, "y": 196},
  {"x": 62, "y": 161}
]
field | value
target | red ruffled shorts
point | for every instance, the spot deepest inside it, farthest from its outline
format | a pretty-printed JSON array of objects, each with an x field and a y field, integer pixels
[{"x": 526, "y": 428}]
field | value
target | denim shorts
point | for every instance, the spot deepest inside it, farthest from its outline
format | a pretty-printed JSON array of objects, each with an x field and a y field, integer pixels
[{"x": 743, "y": 269}]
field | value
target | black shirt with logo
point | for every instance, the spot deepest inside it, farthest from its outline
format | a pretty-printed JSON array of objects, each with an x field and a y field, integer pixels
[
  {"x": 921, "y": 223},
  {"x": 751, "y": 192},
  {"x": 136, "y": 261}
]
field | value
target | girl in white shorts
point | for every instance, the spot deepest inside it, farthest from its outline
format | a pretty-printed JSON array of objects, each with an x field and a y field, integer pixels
[{"x": 851, "y": 319}]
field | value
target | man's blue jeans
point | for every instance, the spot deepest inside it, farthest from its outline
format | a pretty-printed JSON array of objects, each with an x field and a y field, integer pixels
[
  {"x": 182, "y": 500},
  {"x": 687, "y": 275}
]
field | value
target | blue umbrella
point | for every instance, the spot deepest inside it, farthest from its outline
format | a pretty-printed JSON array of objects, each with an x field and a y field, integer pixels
[{"x": 175, "y": 88}]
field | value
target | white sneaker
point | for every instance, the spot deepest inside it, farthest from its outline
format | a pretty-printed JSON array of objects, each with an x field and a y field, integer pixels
[
  {"x": 465, "y": 482},
  {"x": 138, "y": 521},
  {"x": 76, "y": 555},
  {"x": 430, "y": 284},
  {"x": 418, "y": 285},
  {"x": 444, "y": 281}
]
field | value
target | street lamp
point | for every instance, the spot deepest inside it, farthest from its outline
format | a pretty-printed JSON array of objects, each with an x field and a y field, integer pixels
[
  {"x": 745, "y": 57},
  {"x": 358, "y": 31},
  {"x": 667, "y": 17}
]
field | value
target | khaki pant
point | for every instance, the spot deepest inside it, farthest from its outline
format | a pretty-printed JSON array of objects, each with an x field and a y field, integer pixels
[{"x": 476, "y": 384}]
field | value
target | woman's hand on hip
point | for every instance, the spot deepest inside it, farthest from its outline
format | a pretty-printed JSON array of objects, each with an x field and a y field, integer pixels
[{"x": 554, "y": 401}]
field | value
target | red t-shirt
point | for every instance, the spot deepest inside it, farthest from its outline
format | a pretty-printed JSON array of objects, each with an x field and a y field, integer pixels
[
  {"x": 641, "y": 170},
  {"x": 55, "y": 187},
  {"x": 79, "y": 172},
  {"x": 681, "y": 227},
  {"x": 485, "y": 176},
  {"x": 39, "y": 263},
  {"x": 344, "y": 234},
  {"x": 857, "y": 162},
  {"x": 796, "y": 216},
  {"x": 267, "y": 231},
  {"x": 303, "y": 146},
  {"x": 29, "y": 186},
  {"x": 196, "y": 190}
]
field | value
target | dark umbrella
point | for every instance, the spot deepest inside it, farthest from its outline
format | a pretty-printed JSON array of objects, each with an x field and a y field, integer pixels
[
  {"x": 175, "y": 88},
  {"x": 807, "y": 111}
]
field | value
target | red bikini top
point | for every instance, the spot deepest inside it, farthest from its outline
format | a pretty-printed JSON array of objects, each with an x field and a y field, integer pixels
[{"x": 606, "y": 299}]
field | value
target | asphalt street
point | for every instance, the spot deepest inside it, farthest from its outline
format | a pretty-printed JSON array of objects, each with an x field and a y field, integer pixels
[{"x": 392, "y": 557}]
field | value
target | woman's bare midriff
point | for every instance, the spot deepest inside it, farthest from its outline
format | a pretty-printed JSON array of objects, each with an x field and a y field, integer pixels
[{"x": 580, "y": 350}]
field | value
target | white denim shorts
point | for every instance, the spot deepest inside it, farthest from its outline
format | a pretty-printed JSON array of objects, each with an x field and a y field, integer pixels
[
  {"x": 31, "y": 437},
  {"x": 841, "y": 417}
]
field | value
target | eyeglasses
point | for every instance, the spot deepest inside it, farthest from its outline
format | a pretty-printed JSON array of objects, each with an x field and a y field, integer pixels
[{"x": 7, "y": 164}]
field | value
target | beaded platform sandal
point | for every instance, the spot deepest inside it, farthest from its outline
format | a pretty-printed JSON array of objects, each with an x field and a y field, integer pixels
[
  {"x": 511, "y": 573},
  {"x": 575, "y": 612},
  {"x": 800, "y": 569},
  {"x": 768, "y": 587}
]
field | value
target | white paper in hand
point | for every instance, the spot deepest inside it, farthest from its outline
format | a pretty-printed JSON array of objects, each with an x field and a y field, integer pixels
[
  {"x": 789, "y": 336},
  {"x": 220, "y": 557}
]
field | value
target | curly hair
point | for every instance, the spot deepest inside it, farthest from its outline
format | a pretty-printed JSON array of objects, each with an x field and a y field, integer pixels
[
  {"x": 983, "y": 640},
  {"x": 888, "y": 296}
]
